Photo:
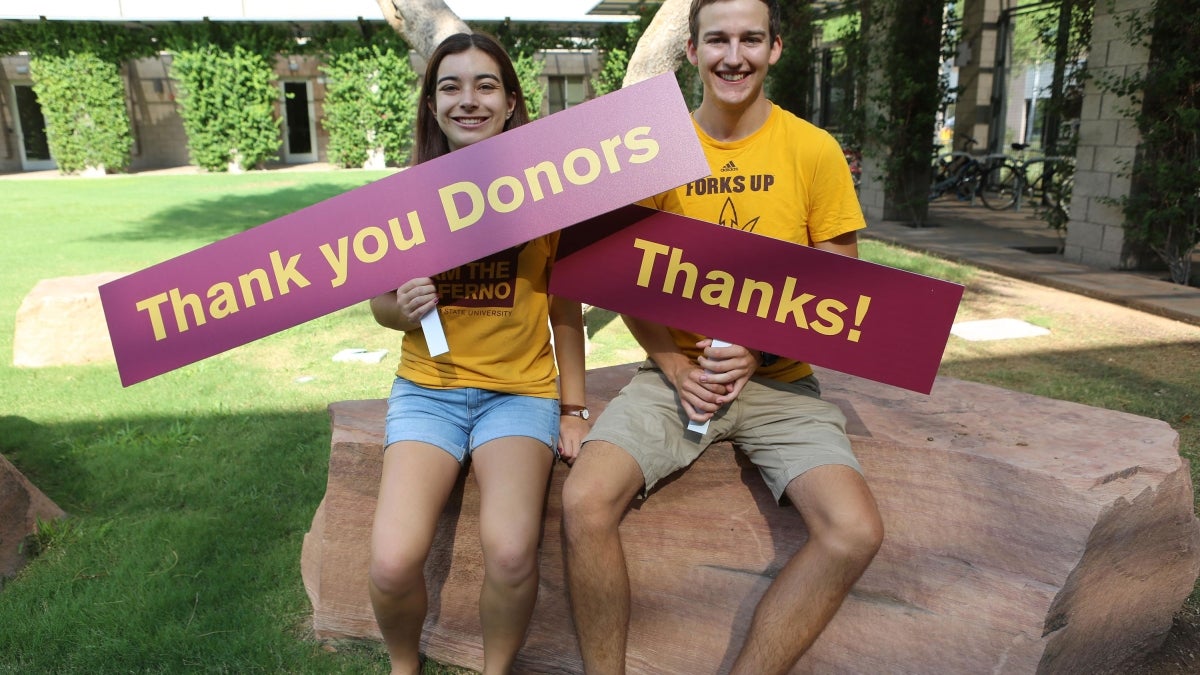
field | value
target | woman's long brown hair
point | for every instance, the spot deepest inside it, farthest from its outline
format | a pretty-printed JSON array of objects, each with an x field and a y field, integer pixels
[{"x": 430, "y": 141}]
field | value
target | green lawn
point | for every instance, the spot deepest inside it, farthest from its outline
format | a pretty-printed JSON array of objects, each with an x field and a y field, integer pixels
[{"x": 189, "y": 494}]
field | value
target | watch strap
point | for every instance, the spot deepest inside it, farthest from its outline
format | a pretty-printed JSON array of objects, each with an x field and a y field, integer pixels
[{"x": 580, "y": 411}]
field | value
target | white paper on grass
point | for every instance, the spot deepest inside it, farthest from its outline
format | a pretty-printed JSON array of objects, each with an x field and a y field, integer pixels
[
  {"x": 360, "y": 355},
  {"x": 996, "y": 329}
]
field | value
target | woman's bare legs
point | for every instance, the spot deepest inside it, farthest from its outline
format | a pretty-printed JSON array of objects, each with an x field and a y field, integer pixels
[
  {"x": 513, "y": 474},
  {"x": 416, "y": 482}
]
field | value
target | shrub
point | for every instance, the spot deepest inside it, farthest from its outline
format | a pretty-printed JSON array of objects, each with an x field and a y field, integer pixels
[
  {"x": 529, "y": 70},
  {"x": 227, "y": 102},
  {"x": 370, "y": 104},
  {"x": 83, "y": 101}
]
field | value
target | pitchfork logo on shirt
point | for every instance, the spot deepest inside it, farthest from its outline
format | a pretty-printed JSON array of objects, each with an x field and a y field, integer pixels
[{"x": 729, "y": 218}]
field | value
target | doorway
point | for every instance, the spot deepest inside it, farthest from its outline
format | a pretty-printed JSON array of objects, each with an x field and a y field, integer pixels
[
  {"x": 31, "y": 130},
  {"x": 299, "y": 123}
]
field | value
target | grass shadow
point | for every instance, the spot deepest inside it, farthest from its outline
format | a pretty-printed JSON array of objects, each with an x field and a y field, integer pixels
[
  {"x": 238, "y": 213},
  {"x": 596, "y": 319},
  {"x": 182, "y": 548}
]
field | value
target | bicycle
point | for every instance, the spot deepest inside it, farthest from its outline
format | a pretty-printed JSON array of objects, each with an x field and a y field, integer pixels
[
  {"x": 1009, "y": 183},
  {"x": 854, "y": 160},
  {"x": 958, "y": 171}
]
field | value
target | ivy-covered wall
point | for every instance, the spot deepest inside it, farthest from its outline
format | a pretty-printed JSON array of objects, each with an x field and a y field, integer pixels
[
  {"x": 151, "y": 94},
  {"x": 165, "y": 81}
]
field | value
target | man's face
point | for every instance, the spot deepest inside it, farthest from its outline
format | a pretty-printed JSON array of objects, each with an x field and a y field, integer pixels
[{"x": 734, "y": 51}]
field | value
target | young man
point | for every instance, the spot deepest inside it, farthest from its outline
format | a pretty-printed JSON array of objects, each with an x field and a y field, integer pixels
[{"x": 788, "y": 180}]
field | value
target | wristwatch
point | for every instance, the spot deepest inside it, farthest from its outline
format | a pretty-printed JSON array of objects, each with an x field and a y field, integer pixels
[
  {"x": 579, "y": 411},
  {"x": 768, "y": 359}
]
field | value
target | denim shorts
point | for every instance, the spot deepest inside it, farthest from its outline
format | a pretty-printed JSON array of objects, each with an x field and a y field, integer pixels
[{"x": 462, "y": 419}]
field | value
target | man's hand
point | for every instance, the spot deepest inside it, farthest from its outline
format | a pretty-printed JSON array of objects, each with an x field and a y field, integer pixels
[
  {"x": 715, "y": 380},
  {"x": 728, "y": 365},
  {"x": 701, "y": 393},
  {"x": 699, "y": 397}
]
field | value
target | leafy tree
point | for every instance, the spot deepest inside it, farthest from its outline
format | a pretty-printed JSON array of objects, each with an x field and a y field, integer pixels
[
  {"x": 790, "y": 81},
  {"x": 370, "y": 104},
  {"x": 264, "y": 39},
  {"x": 83, "y": 101},
  {"x": 616, "y": 43},
  {"x": 227, "y": 102}
]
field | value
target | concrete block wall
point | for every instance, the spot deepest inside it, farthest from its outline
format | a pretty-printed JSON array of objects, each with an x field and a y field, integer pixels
[
  {"x": 159, "y": 140},
  {"x": 973, "y": 109},
  {"x": 1108, "y": 141}
]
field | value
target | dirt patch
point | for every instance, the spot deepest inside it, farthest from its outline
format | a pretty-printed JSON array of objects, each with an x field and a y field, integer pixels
[
  {"x": 1179, "y": 654},
  {"x": 1101, "y": 354}
]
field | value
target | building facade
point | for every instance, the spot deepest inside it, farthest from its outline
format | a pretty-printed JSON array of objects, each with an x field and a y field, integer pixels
[{"x": 159, "y": 140}]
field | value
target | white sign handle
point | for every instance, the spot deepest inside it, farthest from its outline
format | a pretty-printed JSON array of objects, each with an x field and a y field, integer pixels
[
  {"x": 702, "y": 427},
  {"x": 435, "y": 334}
]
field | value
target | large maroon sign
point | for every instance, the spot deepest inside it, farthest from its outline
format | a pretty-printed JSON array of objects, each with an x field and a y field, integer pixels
[{"x": 522, "y": 184}]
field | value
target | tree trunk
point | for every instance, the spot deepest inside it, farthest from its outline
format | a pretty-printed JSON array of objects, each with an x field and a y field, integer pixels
[
  {"x": 423, "y": 23},
  {"x": 661, "y": 47}
]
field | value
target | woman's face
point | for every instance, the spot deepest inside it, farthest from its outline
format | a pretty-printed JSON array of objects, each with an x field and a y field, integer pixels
[{"x": 469, "y": 100}]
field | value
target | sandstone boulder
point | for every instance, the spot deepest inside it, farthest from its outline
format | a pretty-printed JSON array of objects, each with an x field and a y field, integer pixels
[
  {"x": 1024, "y": 535},
  {"x": 61, "y": 323},
  {"x": 21, "y": 506}
]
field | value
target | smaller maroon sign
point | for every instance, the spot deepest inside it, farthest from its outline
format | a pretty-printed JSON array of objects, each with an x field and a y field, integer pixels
[{"x": 834, "y": 311}]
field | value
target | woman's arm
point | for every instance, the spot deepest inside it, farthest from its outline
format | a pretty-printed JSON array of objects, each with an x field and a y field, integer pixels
[{"x": 566, "y": 318}]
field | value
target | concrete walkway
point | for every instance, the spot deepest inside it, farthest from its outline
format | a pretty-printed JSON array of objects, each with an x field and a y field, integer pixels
[{"x": 1020, "y": 245}]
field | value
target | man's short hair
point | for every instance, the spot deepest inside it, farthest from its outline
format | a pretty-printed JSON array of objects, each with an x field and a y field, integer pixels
[{"x": 773, "y": 22}]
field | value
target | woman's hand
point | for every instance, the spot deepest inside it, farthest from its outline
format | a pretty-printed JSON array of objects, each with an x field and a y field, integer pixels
[
  {"x": 415, "y": 298},
  {"x": 403, "y": 308},
  {"x": 571, "y": 432}
]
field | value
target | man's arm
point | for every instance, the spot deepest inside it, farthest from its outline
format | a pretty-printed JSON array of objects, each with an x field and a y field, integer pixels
[
  {"x": 733, "y": 366},
  {"x": 844, "y": 244},
  {"x": 701, "y": 392}
]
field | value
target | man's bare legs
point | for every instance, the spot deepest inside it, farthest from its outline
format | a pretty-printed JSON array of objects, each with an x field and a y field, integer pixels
[
  {"x": 845, "y": 532},
  {"x": 417, "y": 480},
  {"x": 602, "y": 482},
  {"x": 513, "y": 475}
]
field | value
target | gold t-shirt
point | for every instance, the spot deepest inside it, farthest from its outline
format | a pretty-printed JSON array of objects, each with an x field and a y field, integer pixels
[
  {"x": 495, "y": 314},
  {"x": 788, "y": 180}
]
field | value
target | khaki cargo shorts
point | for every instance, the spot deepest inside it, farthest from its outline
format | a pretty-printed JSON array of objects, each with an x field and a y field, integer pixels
[{"x": 784, "y": 428}]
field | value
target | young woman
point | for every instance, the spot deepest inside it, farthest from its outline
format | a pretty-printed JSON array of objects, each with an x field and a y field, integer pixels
[{"x": 492, "y": 398}]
